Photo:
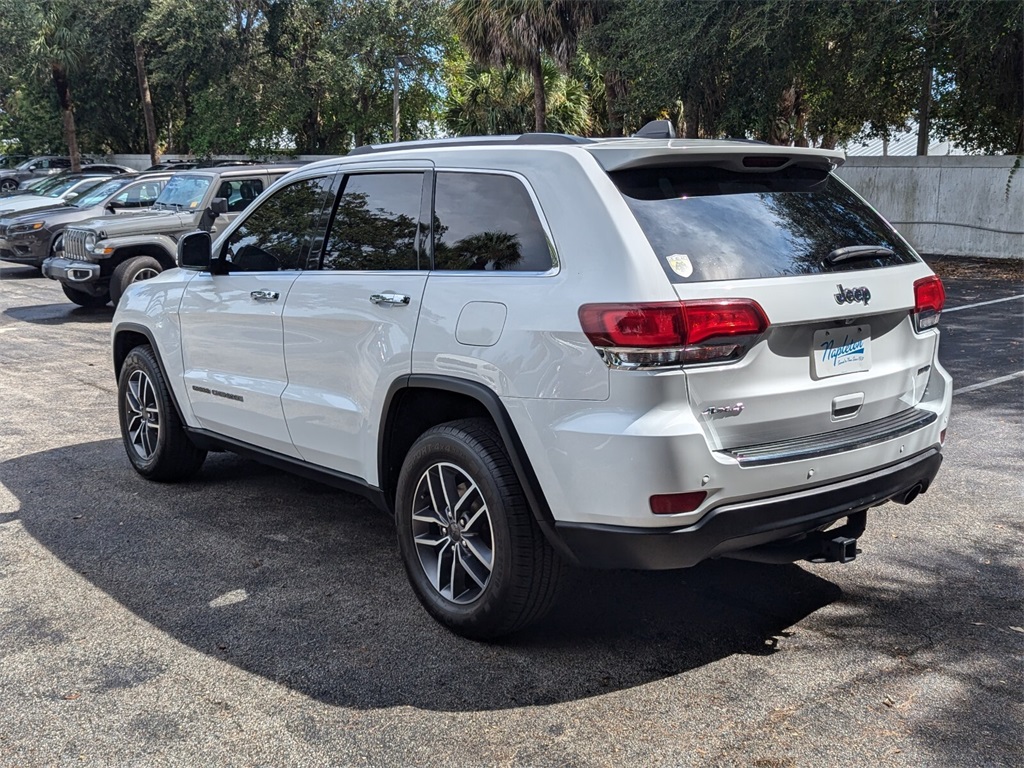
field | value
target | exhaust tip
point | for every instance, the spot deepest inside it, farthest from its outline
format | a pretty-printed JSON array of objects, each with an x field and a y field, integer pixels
[{"x": 908, "y": 496}]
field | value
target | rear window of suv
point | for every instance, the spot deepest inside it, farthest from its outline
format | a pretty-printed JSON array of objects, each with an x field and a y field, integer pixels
[{"x": 717, "y": 224}]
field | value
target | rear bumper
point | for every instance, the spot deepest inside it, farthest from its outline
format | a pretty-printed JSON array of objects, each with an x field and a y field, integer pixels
[{"x": 735, "y": 527}]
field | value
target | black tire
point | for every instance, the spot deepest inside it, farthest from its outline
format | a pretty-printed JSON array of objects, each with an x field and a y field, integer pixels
[
  {"x": 7, "y": 186},
  {"x": 164, "y": 454},
  {"x": 521, "y": 583},
  {"x": 83, "y": 299},
  {"x": 130, "y": 271}
]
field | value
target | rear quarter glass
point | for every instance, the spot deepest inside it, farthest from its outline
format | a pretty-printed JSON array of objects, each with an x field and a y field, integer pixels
[{"x": 707, "y": 223}]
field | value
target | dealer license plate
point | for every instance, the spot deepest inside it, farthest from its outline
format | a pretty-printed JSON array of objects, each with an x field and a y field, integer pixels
[{"x": 841, "y": 350}]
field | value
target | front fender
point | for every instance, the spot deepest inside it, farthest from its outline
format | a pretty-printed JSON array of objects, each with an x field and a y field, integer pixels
[
  {"x": 163, "y": 247},
  {"x": 152, "y": 312}
]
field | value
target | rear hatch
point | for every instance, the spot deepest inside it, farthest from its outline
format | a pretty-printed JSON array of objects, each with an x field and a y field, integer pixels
[{"x": 834, "y": 279}]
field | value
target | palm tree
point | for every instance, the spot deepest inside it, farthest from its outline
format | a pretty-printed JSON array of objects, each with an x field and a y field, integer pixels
[
  {"x": 57, "y": 50},
  {"x": 519, "y": 32}
]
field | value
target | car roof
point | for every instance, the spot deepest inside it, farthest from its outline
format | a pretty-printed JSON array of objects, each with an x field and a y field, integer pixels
[{"x": 622, "y": 153}]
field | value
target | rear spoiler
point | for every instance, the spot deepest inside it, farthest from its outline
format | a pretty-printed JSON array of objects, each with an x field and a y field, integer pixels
[{"x": 737, "y": 155}]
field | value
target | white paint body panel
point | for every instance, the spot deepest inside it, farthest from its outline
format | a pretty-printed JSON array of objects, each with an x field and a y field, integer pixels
[{"x": 600, "y": 441}]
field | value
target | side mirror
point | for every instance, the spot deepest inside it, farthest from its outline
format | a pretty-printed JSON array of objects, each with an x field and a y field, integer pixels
[
  {"x": 112, "y": 206},
  {"x": 70, "y": 196},
  {"x": 219, "y": 205},
  {"x": 194, "y": 251}
]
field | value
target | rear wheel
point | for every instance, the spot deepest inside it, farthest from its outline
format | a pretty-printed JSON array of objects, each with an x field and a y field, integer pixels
[
  {"x": 83, "y": 299},
  {"x": 133, "y": 270},
  {"x": 154, "y": 437},
  {"x": 473, "y": 552}
]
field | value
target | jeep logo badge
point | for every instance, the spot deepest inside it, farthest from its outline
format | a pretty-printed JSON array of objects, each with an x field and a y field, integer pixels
[{"x": 853, "y": 295}]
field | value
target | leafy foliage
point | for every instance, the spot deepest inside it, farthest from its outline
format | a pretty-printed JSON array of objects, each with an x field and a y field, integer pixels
[{"x": 317, "y": 76}]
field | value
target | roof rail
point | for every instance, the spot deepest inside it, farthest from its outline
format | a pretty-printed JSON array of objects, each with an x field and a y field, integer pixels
[{"x": 474, "y": 141}]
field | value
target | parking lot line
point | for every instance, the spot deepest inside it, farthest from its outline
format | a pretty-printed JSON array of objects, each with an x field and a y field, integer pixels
[
  {"x": 983, "y": 303},
  {"x": 989, "y": 383}
]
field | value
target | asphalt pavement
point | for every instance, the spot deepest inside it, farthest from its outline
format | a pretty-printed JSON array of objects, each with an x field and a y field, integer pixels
[{"x": 249, "y": 617}]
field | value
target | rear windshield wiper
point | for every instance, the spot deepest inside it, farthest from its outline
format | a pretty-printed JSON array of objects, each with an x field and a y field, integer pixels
[{"x": 858, "y": 252}]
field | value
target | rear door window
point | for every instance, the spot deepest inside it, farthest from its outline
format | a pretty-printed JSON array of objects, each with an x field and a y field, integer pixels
[
  {"x": 717, "y": 224},
  {"x": 487, "y": 221},
  {"x": 376, "y": 224}
]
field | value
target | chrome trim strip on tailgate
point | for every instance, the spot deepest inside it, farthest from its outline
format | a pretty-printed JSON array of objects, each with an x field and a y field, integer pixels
[{"x": 848, "y": 439}]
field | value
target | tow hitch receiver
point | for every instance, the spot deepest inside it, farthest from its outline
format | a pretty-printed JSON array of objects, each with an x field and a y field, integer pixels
[{"x": 840, "y": 550}]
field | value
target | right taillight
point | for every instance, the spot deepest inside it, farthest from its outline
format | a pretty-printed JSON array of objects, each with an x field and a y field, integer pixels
[
  {"x": 667, "y": 334},
  {"x": 929, "y": 298}
]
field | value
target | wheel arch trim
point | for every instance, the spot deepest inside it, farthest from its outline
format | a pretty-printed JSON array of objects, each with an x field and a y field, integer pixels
[
  {"x": 142, "y": 330},
  {"x": 489, "y": 399}
]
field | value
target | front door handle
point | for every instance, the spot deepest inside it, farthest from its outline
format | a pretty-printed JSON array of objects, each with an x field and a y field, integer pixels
[
  {"x": 265, "y": 295},
  {"x": 390, "y": 299}
]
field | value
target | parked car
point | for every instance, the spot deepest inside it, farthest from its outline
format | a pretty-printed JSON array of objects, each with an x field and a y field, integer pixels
[
  {"x": 110, "y": 169},
  {"x": 539, "y": 350},
  {"x": 103, "y": 257},
  {"x": 30, "y": 238},
  {"x": 173, "y": 165},
  {"x": 57, "y": 191},
  {"x": 12, "y": 178}
]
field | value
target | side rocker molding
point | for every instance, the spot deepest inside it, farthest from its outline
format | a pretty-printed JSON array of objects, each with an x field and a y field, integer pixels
[
  {"x": 513, "y": 445},
  {"x": 214, "y": 442}
]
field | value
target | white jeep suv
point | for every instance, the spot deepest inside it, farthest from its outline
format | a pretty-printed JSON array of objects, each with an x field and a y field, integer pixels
[{"x": 545, "y": 350}]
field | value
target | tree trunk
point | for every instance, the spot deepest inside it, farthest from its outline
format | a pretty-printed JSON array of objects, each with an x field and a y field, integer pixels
[
  {"x": 924, "y": 106},
  {"x": 614, "y": 91},
  {"x": 60, "y": 82},
  {"x": 540, "y": 109},
  {"x": 147, "y": 101},
  {"x": 690, "y": 118}
]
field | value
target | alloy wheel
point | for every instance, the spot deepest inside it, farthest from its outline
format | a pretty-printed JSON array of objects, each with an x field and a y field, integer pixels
[
  {"x": 143, "y": 415},
  {"x": 145, "y": 273},
  {"x": 451, "y": 529}
]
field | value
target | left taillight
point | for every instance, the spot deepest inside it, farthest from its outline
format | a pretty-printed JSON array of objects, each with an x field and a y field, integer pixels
[
  {"x": 929, "y": 299},
  {"x": 667, "y": 334}
]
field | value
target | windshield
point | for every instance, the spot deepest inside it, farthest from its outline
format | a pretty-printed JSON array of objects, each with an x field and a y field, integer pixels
[
  {"x": 42, "y": 185},
  {"x": 100, "y": 193},
  {"x": 58, "y": 188},
  {"x": 81, "y": 186},
  {"x": 183, "y": 192},
  {"x": 716, "y": 224}
]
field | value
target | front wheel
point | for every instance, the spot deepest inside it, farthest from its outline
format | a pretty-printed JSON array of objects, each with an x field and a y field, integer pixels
[
  {"x": 7, "y": 186},
  {"x": 154, "y": 437},
  {"x": 473, "y": 552},
  {"x": 83, "y": 299},
  {"x": 133, "y": 270}
]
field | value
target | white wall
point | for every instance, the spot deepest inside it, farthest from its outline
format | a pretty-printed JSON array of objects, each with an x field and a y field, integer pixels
[{"x": 955, "y": 205}]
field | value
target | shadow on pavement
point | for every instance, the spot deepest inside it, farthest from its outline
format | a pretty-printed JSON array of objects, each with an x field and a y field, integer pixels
[
  {"x": 20, "y": 273},
  {"x": 59, "y": 314},
  {"x": 302, "y": 584}
]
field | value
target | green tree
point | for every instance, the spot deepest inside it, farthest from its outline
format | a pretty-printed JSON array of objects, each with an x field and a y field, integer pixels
[
  {"x": 486, "y": 101},
  {"x": 59, "y": 50},
  {"x": 519, "y": 33}
]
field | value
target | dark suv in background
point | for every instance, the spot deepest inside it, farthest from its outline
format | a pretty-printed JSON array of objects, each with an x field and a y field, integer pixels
[{"x": 102, "y": 257}]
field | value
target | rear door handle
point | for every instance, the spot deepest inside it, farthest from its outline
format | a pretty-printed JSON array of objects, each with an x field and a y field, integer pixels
[
  {"x": 265, "y": 295},
  {"x": 390, "y": 299}
]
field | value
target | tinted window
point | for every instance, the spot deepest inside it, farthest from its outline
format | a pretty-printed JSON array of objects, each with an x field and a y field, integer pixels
[
  {"x": 376, "y": 223},
  {"x": 276, "y": 235},
  {"x": 716, "y": 224},
  {"x": 239, "y": 192},
  {"x": 487, "y": 221}
]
